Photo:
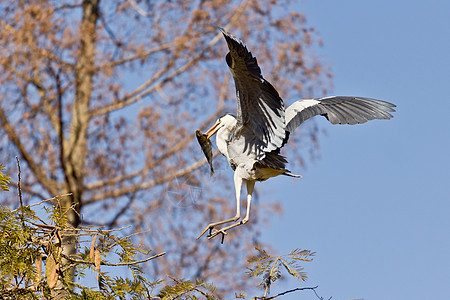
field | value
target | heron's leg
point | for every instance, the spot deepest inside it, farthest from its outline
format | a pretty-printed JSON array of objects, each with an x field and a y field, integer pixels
[
  {"x": 238, "y": 185},
  {"x": 250, "y": 186}
]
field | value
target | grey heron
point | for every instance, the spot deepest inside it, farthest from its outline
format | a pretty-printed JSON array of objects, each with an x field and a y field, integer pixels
[{"x": 252, "y": 140}]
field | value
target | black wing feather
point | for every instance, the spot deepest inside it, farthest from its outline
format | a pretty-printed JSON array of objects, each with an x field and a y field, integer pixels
[{"x": 260, "y": 108}]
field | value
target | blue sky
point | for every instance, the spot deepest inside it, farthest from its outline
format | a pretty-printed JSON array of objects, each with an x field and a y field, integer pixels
[{"x": 376, "y": 207}]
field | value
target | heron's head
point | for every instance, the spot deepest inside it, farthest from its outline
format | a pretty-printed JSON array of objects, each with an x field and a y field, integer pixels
[{"x": 227, "y": 121}]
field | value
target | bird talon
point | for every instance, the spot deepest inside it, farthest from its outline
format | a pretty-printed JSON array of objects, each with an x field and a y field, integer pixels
[
  {"x": 210, "y": 227},
  {"x": 210, "y": 231},
  {"x": 216, "y": 232}
]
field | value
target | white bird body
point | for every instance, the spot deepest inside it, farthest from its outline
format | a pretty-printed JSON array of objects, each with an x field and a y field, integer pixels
[
  {"x": 242, "y": 161},
  {"x": 252, "y": 141}
]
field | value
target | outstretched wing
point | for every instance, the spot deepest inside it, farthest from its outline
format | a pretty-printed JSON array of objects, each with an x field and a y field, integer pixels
[
  {"x": 260, "y": 110},
  {"x": 337, "y": 110}
]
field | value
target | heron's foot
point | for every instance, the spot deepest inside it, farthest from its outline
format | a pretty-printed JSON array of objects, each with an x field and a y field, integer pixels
[
  {"x": 211, "y": 226},
  {"x": 214, "y": 232}
]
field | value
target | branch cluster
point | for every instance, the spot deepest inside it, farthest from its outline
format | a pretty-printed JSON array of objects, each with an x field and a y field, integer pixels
[{"x": 34, "y": 265}]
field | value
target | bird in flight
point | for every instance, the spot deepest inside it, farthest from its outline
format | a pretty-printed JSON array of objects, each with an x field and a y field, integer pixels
[{"x": 252, "y": 140}]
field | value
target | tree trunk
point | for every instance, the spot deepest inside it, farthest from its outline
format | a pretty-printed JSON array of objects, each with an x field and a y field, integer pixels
[{"x": 75, "y": 147}]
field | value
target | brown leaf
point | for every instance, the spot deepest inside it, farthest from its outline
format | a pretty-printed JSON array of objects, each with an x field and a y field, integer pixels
[
  {"x": 91, "y": 252},
  {"x": 98, "y": 260},
  {"x": 38, "y": 268},
  {"x": 51, "y": 271}
]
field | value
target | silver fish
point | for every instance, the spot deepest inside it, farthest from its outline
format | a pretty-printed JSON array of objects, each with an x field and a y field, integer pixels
[{"x": 205, "y": 143}]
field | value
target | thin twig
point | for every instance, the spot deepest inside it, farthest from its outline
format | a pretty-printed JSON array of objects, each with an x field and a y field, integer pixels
[
  {"x": 320, "y": 298},
  {"x": 87, "y": 231},
  {"x": 114, "y": 264},
  {"x": 286, "y": 292},
  {"x": 141, "y": 55},
  {"x": 137, "y": 233},
  {"x": 269, "y": 279},
  {"x": 63, "y": 214},
  {"x": 102, "y": 230},
  {"x": 50, "y": 199},
  {"x": 20, "y": 194},
  {"x": 90, "y": 231},
  {"x": 18, "y": 183},
  {"x": 29, "y": 191},
  {"x": 123, "y": 210},
  {"x": 131, "y": 235},
  {"x": 138, "y": 8}
]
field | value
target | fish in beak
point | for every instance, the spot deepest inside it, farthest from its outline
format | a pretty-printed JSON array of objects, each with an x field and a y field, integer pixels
[
  {"x": 213, "y": 129},
  {"x": 205, "y": 144}
]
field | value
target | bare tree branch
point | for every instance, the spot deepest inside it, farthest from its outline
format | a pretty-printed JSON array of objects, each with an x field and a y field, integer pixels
[
  {"x": 149, "y": 184},
  {"x": 43, "y": 52},
  {"x": 140, "y": 55},
  {"x": 50, "y": 185},
  {"x": 179, "y": 145},
  {"x": 46, "y": 101},
  {"x": 141, "y": 91}
]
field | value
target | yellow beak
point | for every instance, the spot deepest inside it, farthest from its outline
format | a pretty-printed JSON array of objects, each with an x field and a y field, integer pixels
[{"x": 213, "y": 130}]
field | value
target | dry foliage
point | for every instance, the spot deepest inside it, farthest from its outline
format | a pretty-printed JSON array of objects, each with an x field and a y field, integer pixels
[
  {"x": 97, "y": 260},
  {"x": 27, "y": 236},
  {"x": 29, "y": 243},
  {"x": 51, "y": 271},
  {"x": 101, "y": 99},
  {"x": 92, "y": 249}
]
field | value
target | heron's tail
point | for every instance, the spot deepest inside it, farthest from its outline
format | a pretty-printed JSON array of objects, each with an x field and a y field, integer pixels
[{"x": 292, "y": 175}]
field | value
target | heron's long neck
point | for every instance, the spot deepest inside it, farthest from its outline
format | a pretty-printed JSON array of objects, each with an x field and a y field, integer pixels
[{"x": 221, "y": 140}]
